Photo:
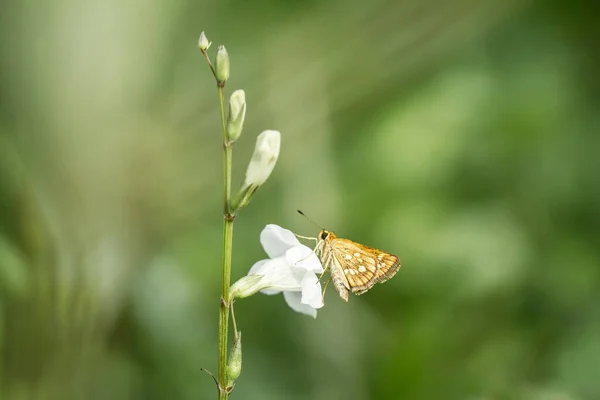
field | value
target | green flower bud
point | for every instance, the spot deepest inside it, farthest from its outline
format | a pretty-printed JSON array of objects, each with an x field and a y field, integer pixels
[
  {"x": 203, "y": 42},
  {"x": 237, "y": 114},
  {"x": 222, "y": 65},
  {"x": 234, "y": 363}
]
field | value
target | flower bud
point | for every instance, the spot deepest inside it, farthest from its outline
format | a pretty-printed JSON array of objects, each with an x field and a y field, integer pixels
[
  {"x": 234, "y": 363},
  {"x": 203, "y": 42},
  {"x": 237, "y": 114},
  {"x": 261, "y": 165},
  {"x": 264, "y": 158},
  {"x": 222, "y": 65}
]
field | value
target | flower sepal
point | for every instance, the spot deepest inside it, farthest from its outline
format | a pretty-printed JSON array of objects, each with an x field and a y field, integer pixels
[
  {"x": 247, "y": 286},
  {"x": 242, "y": 197}
]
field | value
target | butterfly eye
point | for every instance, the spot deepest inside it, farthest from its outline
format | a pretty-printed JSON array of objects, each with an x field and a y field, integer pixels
[{"x": 324, "y": 235}]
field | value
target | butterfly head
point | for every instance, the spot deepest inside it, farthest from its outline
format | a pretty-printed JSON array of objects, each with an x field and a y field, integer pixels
[{"x": 326, "y": 235}]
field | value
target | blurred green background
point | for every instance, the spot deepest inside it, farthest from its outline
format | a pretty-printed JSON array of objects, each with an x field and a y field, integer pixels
[{"x": 460, "y": 135}]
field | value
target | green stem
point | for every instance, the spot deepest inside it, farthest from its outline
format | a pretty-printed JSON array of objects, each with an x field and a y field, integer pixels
[
  {"x": 227, "y": 250},
  {"x": 228, "y": 150},
  {"x": 224, "y": 310},
  {"x": 207, "y": 58}
]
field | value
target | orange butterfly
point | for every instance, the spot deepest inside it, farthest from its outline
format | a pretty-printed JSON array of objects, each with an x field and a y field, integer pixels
[{"x": 353, "y": 266}]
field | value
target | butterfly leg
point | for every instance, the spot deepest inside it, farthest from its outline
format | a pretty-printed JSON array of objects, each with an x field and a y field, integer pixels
[
  {"x": 325, "y": 288},
  {"x": 327, "y": 265},
  {"x": 307, "y": 237},
  {"x": 312, "y": 252},
  {"x": 303, "y": 258},
  {"x": 321, "y": 277}
]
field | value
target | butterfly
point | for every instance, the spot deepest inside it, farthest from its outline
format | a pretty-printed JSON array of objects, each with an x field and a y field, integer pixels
[{"x": 354, "y": 267}]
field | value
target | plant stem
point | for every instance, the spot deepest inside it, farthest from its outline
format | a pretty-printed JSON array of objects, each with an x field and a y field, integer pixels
[
  {"x": 224, "y": 310},
  {"x": 207, "y": 58},
  {"x": 227, "y": 250},
  {"x": 228, "y": 150}
]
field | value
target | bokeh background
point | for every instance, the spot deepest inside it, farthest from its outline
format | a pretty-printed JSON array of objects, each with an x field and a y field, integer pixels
[{"x": 460, "y": 135}]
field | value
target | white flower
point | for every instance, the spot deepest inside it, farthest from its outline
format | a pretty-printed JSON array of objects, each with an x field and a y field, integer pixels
[
  {"x": 291, "y": 269},
  {"x": 264, "y": 158}
]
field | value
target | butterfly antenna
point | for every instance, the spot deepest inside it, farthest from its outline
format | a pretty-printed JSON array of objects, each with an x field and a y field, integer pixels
[{"x": 313, "y": 222}]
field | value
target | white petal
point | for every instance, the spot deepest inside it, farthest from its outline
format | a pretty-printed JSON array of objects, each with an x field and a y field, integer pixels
[
  {"x": 304, "y": 258},
  {"x": 271, "y": 292},
  {"x": 311, "y": 291},
  {"x": 278, "y": 275},
  {"x": 258, "y": 267},
  {"x": 293, "y": 300},
  {"x": 276, "y": 240},
  {"x": 262, "y": 268}
]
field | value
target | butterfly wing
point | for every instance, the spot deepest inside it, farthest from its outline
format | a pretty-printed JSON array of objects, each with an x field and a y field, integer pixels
[
  {"x": 389, "y": 265},
  {"x": 363, "y": 266}
]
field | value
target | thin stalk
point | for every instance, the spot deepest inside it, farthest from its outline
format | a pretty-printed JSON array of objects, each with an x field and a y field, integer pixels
[
  {"x": 227, "y": 251},
  {"x": 207, "y": 58}
]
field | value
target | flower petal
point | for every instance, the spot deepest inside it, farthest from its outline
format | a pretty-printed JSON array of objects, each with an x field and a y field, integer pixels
[
  {"x": 276, "y": 240},
  {"x": 261, "y": 268},
  {"x": 311, "y": 291},
  {"x": 278, "y": 275},
  {"x": 258, "y": 267},
  {"x": 304, "y": 258},
  {"x": 293, "y": 299},
  {"x": 271, "y": 292}
]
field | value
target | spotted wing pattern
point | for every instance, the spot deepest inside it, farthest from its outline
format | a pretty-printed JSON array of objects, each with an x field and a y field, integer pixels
[
  {"x": 364, "y": 266},
  {"x": 353, "y": 266}
]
